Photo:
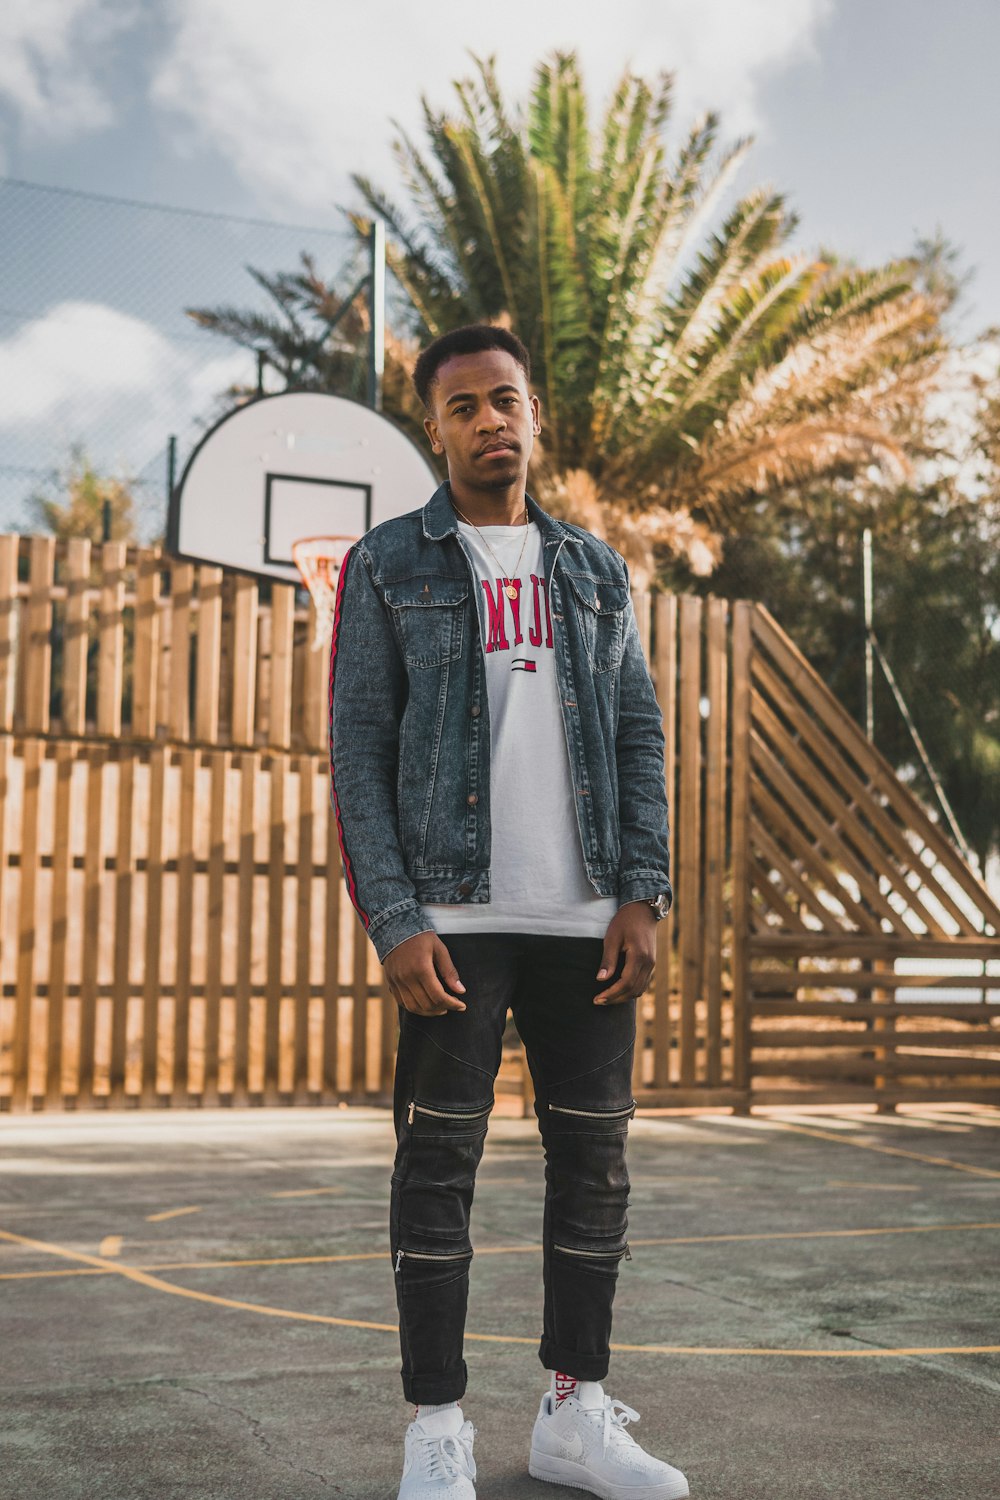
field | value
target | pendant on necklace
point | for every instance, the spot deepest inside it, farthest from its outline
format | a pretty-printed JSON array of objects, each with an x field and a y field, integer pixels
[{"x": 510, "y": 591}]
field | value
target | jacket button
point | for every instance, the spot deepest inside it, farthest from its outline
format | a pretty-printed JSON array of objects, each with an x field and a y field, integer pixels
[
  {"x": 474, "y": 710},
  {"x": 472, "y": 797},
  {"x": 465, "y": 888}
]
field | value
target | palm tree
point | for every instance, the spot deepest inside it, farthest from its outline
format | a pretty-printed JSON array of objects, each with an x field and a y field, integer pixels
[
  {"x": 683, "y": 371},
  {"x": 680, "y": 372}
]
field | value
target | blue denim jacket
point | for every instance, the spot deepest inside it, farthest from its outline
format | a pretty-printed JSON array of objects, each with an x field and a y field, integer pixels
[{"x": 410, "y": 723}]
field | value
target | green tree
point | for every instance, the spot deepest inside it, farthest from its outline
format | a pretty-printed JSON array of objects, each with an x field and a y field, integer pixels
[{"x": 84, "y": 493}]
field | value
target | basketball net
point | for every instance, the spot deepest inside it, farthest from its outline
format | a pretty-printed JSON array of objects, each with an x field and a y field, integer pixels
[{"x": 318, "y": 559}]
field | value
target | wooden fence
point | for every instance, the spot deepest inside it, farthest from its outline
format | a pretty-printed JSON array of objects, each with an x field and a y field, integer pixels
[{"x": 174, "y": 927}]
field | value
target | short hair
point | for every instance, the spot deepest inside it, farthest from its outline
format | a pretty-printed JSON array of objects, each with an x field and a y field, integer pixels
[{"x": 472, "y": 339}]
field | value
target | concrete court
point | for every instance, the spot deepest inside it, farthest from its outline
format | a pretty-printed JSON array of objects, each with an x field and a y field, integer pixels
[{"x": 829, "y": 1232}]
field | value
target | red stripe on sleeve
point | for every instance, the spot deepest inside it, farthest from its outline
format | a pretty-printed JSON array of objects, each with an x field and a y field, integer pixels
[{"x": 345, "y": 857}]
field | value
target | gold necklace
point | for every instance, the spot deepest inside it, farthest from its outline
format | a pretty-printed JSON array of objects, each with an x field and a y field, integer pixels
[{"x": 509, "y": 588}]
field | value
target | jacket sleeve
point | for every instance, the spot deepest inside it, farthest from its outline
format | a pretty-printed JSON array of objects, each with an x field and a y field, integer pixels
[
  {"x": 643, "y": 813},
  {"x": 368, "y": 692}
]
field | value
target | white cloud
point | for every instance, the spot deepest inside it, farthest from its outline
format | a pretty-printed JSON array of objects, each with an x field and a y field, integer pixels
[
  {"x": 298, "y": 98},
  {"x": 52, "y": 57},
  {"x": 86, "y": 371}
]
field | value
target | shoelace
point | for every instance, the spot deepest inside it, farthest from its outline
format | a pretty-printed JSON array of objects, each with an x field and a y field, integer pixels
[
  {"x": 444, "y": 1457},
  {"x": 616, "y": 1418}
]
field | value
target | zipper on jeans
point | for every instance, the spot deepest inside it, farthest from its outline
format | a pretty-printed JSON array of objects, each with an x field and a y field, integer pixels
[
  {"x": 593, "y": 1114},
  {"x": 444, "y": 1114},
  {"x": 402, "y": 1255},
  {"x": 625, "y": 1254}
]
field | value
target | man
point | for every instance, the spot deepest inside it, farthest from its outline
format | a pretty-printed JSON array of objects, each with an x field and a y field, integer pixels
[{"x": 496, "y": 759}]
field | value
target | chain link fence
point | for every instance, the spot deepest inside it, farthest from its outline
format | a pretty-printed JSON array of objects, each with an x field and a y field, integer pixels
[{"x": 96, "y": 352}]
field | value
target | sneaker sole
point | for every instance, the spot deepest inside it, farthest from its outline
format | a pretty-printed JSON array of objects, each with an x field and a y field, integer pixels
[{"x": 576, "y": 1477}]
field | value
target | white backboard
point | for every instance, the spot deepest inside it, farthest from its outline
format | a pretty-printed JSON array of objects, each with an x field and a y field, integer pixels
[{"x": 288, "y": 466}]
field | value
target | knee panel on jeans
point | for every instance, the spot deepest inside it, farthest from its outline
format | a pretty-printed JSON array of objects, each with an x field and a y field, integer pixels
[
  {"x": 585, "y": 1147},
  {"x": 439, "y": 1150}
]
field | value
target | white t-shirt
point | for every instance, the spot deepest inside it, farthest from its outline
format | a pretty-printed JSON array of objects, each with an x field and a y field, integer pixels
[{"x": 538, "y": 879}]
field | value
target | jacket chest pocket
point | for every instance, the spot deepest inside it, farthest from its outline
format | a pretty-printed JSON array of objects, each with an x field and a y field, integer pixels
[
  {"x": 429, "y": 615},
  {"x": 599, "y": 605}
]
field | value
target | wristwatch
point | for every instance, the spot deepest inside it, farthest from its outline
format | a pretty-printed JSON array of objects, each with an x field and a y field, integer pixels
[{"x": 660, "y": 904}]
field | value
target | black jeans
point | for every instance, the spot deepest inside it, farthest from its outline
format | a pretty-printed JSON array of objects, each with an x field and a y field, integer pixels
[{"x": 580, "y": 1055}]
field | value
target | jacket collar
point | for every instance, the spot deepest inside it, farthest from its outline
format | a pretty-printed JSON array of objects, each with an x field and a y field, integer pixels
[{"x": 439, "y": 518}]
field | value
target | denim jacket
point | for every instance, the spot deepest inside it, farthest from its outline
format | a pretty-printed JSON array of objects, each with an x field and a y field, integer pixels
[{"x": 410, "y": 723}]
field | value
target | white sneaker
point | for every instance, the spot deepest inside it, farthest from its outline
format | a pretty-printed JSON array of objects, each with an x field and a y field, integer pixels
[
  {"x": 587, "y": 1448},
  {"x": 438, "y": 1462}
]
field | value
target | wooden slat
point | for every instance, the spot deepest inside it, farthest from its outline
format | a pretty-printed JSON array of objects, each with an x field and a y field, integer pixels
[
  {"x": 209, "y": 654},
  {"x": 775, "y": 856},
  {"x": 850, "y": 808},
  {"x": 26, "y": 920},
  {"x": 665, "y": 680},
  {"x": 303, "y": 767},
  {"x": 770, "y": 1038},
  {"x": 689, "y": 898},
  {"x": 282, "y": 625},
  {"x": 740, "y": 841},
  {"x": 36, "y": 658},
  {"x": 65, "y": 756},
  {"x": 111, "y": 639},
  {"x": 863, "y": 945},
  {"x": 359, "y": 1012},
  {"x": 96, "y": 759},
  {"x": 843, "y": 1093},
  {"x": 865, "y": 979},
  {"x": 316, "y": 677},
  {"x": 861, "y": 1067},
  {"x": 829, "y": 841},
  {"x": 147, "y": 655},
  {"x": 248, "y": 767},
  {"x": 244, "y": 659},
  {"x": 9, "y": 627},
  {"x": 883, "y": 780},
  {"x": 716, "y": 734},
  {"x": 331, "y": 948},
  {"x": 186, "y": 760},
  {"x": 859, "y": 1010},
  {"x": 278, "y": 764},
  {"x": 220, "y": 763},
  {"x": 76, "y": 636},
  {"x": 152, "y": 959},
  {"x": 181, "y": 590},
  {"x": 121, "y": 978},
  {"x": 788, "y": 918}
]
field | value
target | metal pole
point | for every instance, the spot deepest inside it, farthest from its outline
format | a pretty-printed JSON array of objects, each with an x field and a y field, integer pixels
[
  {"x": 171, "y": 471},
  {"x": 376, "y": 319},
  {"x": 869, "y": 659}
]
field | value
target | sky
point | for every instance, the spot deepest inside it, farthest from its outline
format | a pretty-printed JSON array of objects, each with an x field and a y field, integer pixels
[{"x": 877, "y": 118}]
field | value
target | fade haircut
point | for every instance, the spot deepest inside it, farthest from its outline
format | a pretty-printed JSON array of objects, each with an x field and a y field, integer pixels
[{"x": 472, "y": 339}]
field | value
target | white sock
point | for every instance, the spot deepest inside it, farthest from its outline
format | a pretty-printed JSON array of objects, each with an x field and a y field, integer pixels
[
  {"x": 589, "y": 1393},
  {"x": 442, "y": 1418}
]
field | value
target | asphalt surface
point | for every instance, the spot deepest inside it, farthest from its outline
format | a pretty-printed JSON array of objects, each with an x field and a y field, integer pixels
[{"x": 183, "y": 1300}]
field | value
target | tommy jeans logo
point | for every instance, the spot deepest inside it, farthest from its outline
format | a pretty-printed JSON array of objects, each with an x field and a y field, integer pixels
[
  {"x": 522, "y": 664},
  {"x": 497, "y": 604}
]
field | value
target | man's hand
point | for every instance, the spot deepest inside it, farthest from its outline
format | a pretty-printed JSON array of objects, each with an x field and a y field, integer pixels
[
  {"x": 413, "y": 977},
  {"x": 632, "y": 930}
]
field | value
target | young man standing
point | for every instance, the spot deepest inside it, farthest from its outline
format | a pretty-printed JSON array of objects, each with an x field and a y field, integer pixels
[{"x": 497, "y": 776}]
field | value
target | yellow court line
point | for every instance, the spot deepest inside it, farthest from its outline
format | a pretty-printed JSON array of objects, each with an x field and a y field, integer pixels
[
  {"x": 172, "y": 1213},
  {"x": 359, "y": 1255},
  {"x": 842, "y": 1140},
  {"x": 110, "y": 1245},
  {"x": 305, "y": 1192},
  {"x": 132, "y": 1273}
]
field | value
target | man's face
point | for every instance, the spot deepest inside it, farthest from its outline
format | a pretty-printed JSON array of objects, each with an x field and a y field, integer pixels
[{"x": 484, "y": 419}]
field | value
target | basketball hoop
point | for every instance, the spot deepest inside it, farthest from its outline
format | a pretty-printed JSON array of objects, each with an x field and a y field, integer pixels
[{"x": 318, "y": 559}]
